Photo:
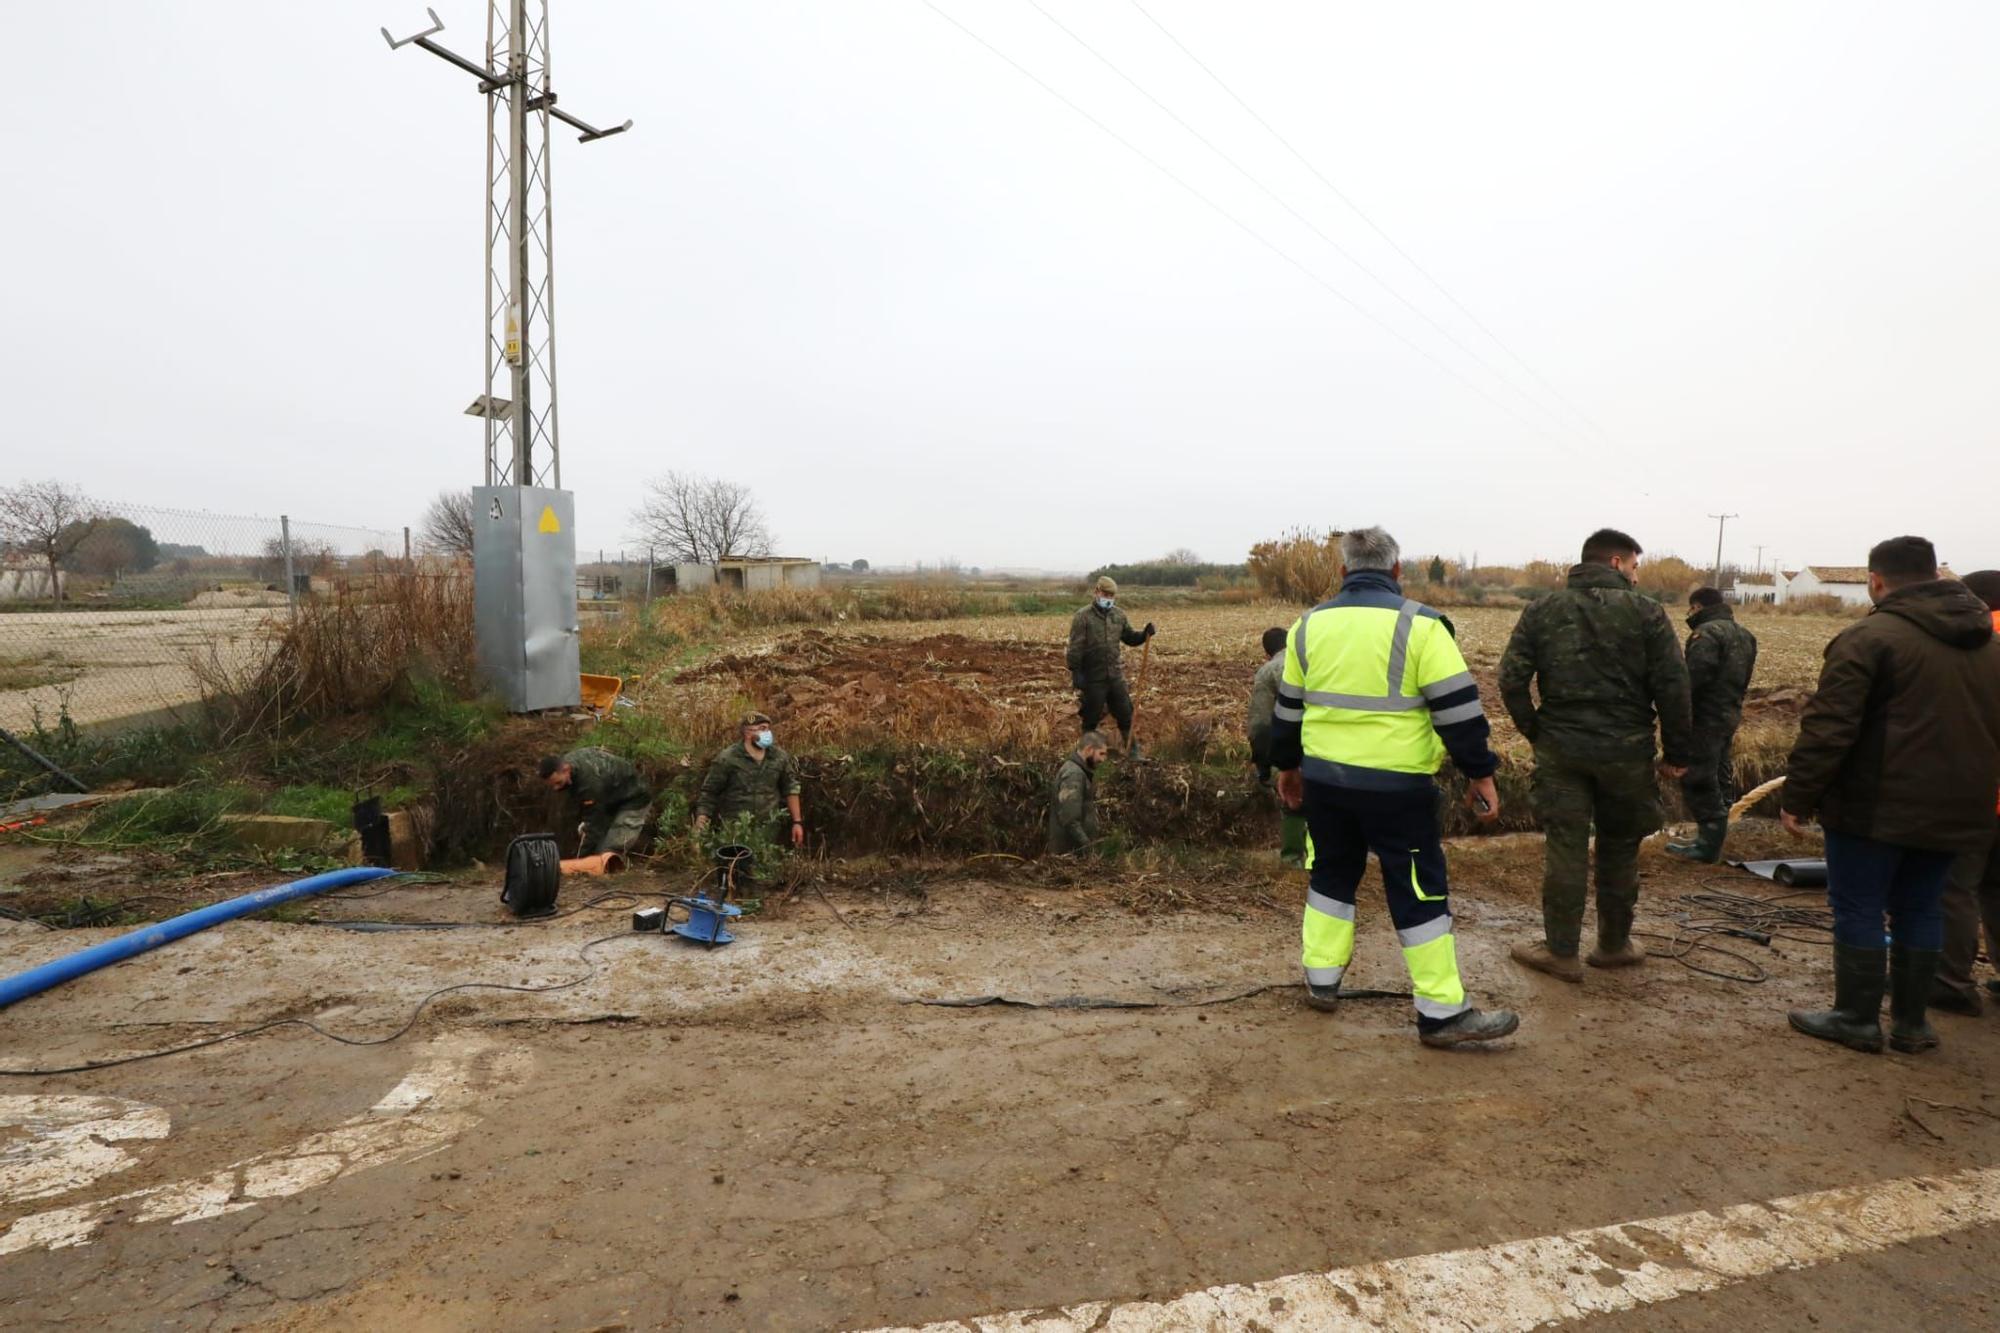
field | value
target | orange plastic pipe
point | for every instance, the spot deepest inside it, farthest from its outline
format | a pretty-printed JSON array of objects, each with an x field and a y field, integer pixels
[{"x": 604, "y": 863}]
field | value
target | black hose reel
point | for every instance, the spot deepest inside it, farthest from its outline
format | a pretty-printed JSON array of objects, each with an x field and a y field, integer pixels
[{"x": 534, "y": 873}]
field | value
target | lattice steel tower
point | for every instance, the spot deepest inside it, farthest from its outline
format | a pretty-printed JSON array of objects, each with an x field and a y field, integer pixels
[{"x": 523, "y": 443}]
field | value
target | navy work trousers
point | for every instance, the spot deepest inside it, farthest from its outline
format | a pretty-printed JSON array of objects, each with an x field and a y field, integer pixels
[{"x": 1867, "y": 881}]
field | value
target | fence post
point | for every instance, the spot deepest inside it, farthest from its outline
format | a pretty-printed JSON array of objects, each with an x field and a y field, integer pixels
[
  {"x": 649, "y": 574},
  {"x": 291, "y": 584},
  {"x": 406, "y": 546}
]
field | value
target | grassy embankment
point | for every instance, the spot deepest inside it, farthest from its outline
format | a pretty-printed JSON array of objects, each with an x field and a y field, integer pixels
[{"x": 927, "y": 718}]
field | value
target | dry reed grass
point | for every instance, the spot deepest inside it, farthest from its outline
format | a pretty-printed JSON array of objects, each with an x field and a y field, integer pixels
[
  {"x": 347, "y": 651},
  {"x": 1301, "y": 567}
]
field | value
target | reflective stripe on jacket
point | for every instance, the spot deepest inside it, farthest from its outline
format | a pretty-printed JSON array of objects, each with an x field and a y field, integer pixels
[{"x": 1376, "y": 693}]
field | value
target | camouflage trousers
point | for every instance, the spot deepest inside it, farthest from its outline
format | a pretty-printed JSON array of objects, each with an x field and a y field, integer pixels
[
  {"x": 1710, "y": 784},
  {"x": 1098, "y": 696},
  {"x": 619, "y": 833},
  {"x": 1620, "y": 798}
]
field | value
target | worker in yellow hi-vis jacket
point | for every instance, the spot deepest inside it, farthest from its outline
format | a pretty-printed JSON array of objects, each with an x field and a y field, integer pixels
[{"x": 1375, "y": 694}]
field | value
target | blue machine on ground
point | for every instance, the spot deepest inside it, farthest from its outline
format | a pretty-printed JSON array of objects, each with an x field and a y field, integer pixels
[{"x": 710, "y": 912}]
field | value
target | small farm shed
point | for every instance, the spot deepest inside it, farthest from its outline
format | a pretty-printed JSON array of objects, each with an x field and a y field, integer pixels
[
  {"x": 1849, "y": 583},
  {"x": 747, "y": 574}
]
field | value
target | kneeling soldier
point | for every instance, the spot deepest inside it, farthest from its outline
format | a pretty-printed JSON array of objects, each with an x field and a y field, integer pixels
[
  {"x": 1073, "y": 813},
  {"x": 605, "y": 793}
]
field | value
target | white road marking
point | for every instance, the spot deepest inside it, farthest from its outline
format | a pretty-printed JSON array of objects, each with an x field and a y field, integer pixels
[
  {"x": 417, "y": 1117},
  {"x": 1526, "y": 1284},
  {"x": 60, "y": 1143}
]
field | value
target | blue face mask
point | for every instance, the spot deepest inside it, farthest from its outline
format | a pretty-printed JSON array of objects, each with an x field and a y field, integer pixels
[
  {"x": 1104, "y": 603},
  {"x": 764, "y": 739}
]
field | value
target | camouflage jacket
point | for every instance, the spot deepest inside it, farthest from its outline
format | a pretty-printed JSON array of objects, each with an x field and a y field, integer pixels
[
  {"x": 1721, "y": 655},
  {"x": 737, "y": 784},
  {"x": 601, "y": 784},
  {"x": 1264, "y": 696},
  {"x": 1605, "y": 662},
  {"x": 1094, "y": 639},
  {"x": 1073, "y": 812}
]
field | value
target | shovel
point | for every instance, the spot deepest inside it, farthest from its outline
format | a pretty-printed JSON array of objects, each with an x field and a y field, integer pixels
[{"x": 1132, "y": 750}]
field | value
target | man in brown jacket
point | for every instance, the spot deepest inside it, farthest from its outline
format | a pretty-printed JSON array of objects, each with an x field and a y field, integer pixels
[
  {"x": 1972, "y": 893},
  {"x": 1899, "y": 756}
]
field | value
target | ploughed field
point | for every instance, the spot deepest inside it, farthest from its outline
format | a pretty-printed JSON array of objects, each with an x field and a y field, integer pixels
[{"x": 1000, "y": 682}]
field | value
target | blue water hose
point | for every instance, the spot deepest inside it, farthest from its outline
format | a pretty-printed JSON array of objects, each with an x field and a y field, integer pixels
[{"x": 38, "y": 979}]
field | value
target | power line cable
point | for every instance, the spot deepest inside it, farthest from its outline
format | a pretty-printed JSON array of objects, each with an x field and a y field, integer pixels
[
  {"x": 1241, "y": 225},
  {"x": 1341, "y": 195},
  {"x": 1307, "y": 222}
]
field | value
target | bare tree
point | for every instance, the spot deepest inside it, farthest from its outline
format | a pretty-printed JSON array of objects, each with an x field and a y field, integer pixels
[
  {"x": 48, "y": 520},
  {"x": 447, "y": 525},
  {"x": 696, "y": 520},
  {"x": 1181, "y": 555},
  {"x": 310, "y": 555}
]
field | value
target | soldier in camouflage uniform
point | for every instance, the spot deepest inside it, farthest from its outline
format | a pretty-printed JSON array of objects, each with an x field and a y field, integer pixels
[
  {"x": 1606, "y": 662},
  {"x": 756, "y": 778},
  {"x": 1263, "y": 699},
  {"x": 1098, "y": 635},
  {"x": 606, "y": 794},
  {"x": 1721, "y": 655},
  {"x": 1073, "y": 811}
]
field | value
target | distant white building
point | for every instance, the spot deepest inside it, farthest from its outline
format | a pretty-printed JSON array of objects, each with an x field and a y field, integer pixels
[
  {"x": 23, "y": 582},
  {"x": 744, "y": 574},
  {"x": 1848, "y": 583}
]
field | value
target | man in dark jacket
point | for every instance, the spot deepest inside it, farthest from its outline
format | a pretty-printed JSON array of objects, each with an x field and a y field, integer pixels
[
  {"x": 1606, "y": 662},
  {"x": 1899, "y": 756},
  {"x": 1098, "y": 636},
  {"x": 1721, "y": 655},
  {"x": 606, "y": 794},
  {"x": 1073, "y": 811},
  {"x": 1972, "y": 893}
]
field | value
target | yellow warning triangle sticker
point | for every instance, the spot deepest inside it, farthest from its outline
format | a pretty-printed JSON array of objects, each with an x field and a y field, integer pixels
[{"x": 549, "y": 523}]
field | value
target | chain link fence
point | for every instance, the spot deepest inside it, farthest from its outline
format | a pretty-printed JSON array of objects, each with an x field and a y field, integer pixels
[{"x": 111, "y": 614}]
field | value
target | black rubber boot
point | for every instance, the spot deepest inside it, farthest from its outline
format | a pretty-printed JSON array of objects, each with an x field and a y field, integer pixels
[
  {"x": 1912, "y": 973},
  {"x": 1855, "y": 1021},
  {"x": 1472, "y": 1025},
  {"x": 1706, "y": 848}
]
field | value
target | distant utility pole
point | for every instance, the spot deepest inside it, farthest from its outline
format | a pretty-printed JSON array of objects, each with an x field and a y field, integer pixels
[
  {"x": 522, "y": 445},
  {"x": 1760, "y": 562},
  {"x": 1721, "y": 522}
]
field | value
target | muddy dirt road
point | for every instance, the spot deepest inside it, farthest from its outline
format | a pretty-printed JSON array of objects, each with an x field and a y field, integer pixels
[{"x": 771, "y": 1137}]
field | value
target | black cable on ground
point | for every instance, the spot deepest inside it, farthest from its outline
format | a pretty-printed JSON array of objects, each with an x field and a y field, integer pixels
[
  {"x": 84, "y": 913},
  {"x": 582, "y": 953},
  {"x": 1759, "y": 920},
  {"x": 9, "y": 914},
  {"x": 631, "y": 899},
  {"x": 1100, "y": 1002}
]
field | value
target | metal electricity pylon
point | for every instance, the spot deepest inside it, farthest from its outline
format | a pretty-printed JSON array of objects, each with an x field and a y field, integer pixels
[{"x": 523, "y": 446}]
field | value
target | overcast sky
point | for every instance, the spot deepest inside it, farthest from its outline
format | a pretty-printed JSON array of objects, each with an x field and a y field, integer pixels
[{"x": 854, "y": 258}]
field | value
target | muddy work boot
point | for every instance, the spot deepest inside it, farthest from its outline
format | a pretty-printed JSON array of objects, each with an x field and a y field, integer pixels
[
  {"x": 1627, "y": 952},
  {"x": 1472, "y": 1025},
  {"x": 1563, "y": 967},
  {"x": 1912, "y": 974},
  {"x": 1706, "y": 848},
  {"x": 1615, "y": 945},
  {"x": 1326, "y": 999},
  {"x": 1855, "y": 1021}
]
